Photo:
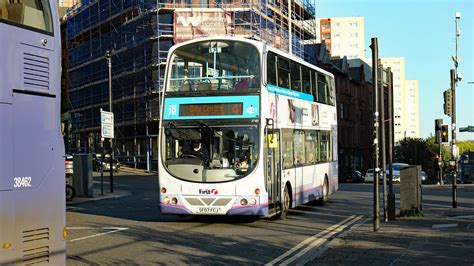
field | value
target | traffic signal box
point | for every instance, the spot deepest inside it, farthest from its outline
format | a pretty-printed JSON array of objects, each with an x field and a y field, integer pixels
[
  {"x": 448, "y": 102},
  {"x": 444, "y": 134},
  {"x": 438, "y": 123}
]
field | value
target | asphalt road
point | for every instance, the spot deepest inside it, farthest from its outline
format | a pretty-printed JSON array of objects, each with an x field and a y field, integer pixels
[{"x": 131, "y": 230}]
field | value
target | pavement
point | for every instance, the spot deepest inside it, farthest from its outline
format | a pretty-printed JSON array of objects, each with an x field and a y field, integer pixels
[{"x": 442, "y": 236}]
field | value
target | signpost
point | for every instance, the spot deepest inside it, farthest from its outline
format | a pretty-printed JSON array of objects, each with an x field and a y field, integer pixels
[
  {"x": 106, "y": 132},
  {"x": 106, "y": 124}
]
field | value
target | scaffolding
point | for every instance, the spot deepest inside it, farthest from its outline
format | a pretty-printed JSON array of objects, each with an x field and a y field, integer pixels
[{"x": 139, "y": 33}]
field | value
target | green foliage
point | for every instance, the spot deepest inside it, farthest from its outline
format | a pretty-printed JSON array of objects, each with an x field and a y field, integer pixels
[
  {"x": 417, "y": 151},
  {"x": 465, "y": 146}
]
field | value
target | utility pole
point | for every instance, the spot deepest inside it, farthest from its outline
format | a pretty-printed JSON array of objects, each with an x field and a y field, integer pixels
[
  {"x": 375, "y": 62},
  {"x": 455, "y": 77}
]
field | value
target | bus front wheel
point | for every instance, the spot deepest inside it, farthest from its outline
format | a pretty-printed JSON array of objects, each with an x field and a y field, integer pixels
[{"x": 286, "y": 204}]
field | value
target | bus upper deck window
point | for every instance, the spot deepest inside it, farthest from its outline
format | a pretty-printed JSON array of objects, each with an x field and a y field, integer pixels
[{"x": 32, "y": 13}]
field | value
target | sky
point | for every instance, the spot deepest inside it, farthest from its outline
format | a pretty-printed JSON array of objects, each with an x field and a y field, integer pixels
[{"x": 422, "y": 31}]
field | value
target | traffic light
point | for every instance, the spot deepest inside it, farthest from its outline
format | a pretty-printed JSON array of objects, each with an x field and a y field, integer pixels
[
  {"x": 448, "y": 102},
  {"x": 444, "y": 134},
  {"x": 438, "y": 123}
]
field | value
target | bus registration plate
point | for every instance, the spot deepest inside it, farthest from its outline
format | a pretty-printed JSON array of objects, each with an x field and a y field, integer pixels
[{"x": 209, "y": 210}]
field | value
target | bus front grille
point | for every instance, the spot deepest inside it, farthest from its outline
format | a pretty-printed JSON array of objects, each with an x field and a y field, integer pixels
[
  {"x": 208, "y": 201},
  {"x": 35, "y": 235},
  {"x": 36, "y": 255}
]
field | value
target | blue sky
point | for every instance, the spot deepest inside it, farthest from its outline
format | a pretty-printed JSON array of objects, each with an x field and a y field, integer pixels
[{"x": 422, "y": 31}]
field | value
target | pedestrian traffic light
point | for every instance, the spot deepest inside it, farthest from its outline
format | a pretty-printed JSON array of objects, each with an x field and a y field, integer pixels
[
  {"x": 438, "y": 123},
  {"x": 448, "y": 102},
  {"x": 444, "y": 134}
]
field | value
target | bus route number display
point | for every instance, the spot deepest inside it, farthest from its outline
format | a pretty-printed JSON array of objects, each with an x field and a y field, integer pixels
[{"x": 211, "y": 109}]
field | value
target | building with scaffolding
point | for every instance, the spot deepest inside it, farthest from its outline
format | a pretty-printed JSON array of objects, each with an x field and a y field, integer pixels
[{"x": 139, "y": 34}]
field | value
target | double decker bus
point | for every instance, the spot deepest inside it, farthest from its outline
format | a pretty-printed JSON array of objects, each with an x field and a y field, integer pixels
[
  {"x": 32, "y": 179},
  {"x": 245, "y": 130}
]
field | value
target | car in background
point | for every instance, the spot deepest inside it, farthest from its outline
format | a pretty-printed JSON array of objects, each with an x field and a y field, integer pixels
[
  {"x": 369, "y": 175},
  {"x": 68, "y": 164},
  {"x": 352, "y": 176},
  {"x": 425, "y": 179},
  {"x": 104, "y": 164},
  {"x": 396, "y": 170}
]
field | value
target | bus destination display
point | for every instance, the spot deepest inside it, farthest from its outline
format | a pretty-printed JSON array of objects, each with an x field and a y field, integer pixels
[{"x": 211, "y": 109}]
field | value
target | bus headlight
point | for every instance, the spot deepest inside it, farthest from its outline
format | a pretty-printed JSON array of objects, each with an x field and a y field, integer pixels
[
  {"x": 243, "y": 202},
  {"x": 167, "y": 200},
  {"x": 253, "y": 201},
  {"x": 174, "y": 201}
]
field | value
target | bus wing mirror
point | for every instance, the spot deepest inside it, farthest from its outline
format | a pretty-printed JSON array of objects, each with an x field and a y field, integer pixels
[{"x": 270, "y": 122}]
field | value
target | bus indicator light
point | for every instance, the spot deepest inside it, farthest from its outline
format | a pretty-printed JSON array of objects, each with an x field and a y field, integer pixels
[
  {"x": 65, "y": 233},
  {"x": 257, "y": 191},
  {"x": 7, "y": 245},
  {"x": 163, "y": 190}
]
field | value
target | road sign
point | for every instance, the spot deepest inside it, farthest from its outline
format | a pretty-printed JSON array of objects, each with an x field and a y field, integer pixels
[
  {"x": 106, "y": 124},
  {"x": 466, "y": 129}
]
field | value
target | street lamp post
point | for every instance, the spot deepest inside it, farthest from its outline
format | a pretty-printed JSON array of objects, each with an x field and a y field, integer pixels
[
  {"x": 455, "y": 77},
  {"x": 108, "y": 56}
]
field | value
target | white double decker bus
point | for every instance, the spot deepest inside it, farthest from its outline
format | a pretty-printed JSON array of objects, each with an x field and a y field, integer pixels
[{"x": 245, "y": 130}]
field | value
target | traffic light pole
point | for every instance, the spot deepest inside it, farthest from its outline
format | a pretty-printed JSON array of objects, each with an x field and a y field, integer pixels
[
  {"x": 454, "y": 171},
  {"x": 454, "y": 81},
  {"x": 375, "y": 59}
]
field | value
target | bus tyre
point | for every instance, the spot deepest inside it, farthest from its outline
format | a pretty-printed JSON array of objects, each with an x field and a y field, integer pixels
[
  {"x": 322, "y": 201},
  {"x": 285, "y": 205},
  {"x": 70, "y": 193}
]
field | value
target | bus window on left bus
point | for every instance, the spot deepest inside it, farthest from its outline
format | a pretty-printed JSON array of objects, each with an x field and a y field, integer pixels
[{"x": 34, "y": 14}]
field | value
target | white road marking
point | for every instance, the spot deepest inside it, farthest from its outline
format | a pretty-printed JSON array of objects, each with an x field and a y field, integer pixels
[
  {"x": 441, "y": 226},
  {"x": 113, "y": 230},
  {"x": 315, "y": 240},
  {"x": 465, "y": 216},
  {"x": 321, "y": 241}
]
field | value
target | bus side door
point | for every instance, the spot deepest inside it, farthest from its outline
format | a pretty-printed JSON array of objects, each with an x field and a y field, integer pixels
[{"x": 273, "y": 169}]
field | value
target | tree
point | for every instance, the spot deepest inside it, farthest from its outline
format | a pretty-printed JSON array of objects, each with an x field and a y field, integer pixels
[
  {"x": 417, "y": 151},
  {"x": 465, "y": 146}
]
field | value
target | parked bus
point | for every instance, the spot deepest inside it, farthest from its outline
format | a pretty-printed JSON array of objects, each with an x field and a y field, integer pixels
[
  {"x": 245, "y": 130},
  {"x": 32, "y": 178}
]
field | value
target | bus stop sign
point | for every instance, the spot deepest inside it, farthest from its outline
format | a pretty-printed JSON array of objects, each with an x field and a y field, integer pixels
[{"x": 106, "y": 124}]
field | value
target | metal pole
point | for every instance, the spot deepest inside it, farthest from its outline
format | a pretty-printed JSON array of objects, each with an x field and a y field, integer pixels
[
  {"x": 382, "y": 139},
  {"x": 375, "y": 59},
  {"x": 290, "y": 30},
  {"x": 453, "y": 142},
  {"x": 440, "y": 164},
  {"x": 454, "y": 81},
  {"x": 102, "y": 167},
  {"x": 391, "y": 195},
  {"x": 109, "y": 64}
]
